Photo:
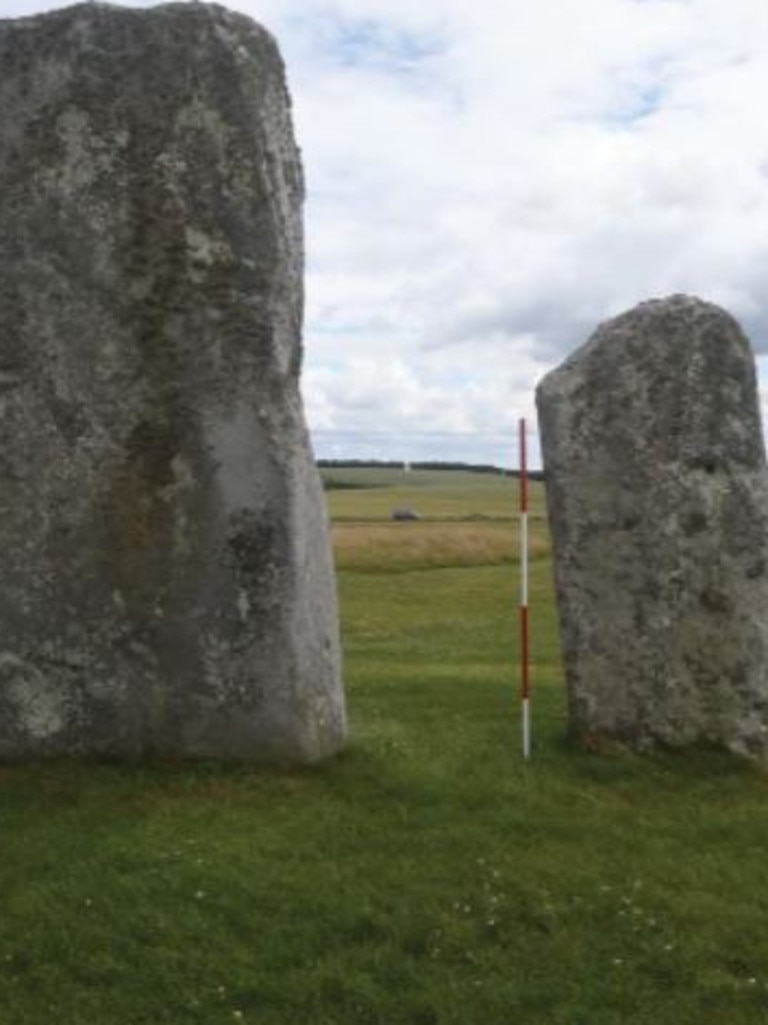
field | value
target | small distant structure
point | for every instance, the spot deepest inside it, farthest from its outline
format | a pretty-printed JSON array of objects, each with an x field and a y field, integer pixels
[
  {"x": 403, "y": 515},
  {"x": 406, "y": 467}
]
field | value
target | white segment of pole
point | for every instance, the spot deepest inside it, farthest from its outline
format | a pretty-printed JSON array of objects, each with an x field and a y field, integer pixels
[{"x": 524, "y": 653}]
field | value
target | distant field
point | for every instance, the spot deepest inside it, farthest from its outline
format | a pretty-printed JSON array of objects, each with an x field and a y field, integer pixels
[
  {"x": 427, "y": 876},
  {"x": 465, "y": 519},
  {"x": 433, "y": 494}
]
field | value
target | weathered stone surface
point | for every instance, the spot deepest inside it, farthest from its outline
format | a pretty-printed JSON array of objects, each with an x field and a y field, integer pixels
[
  {"x": 658, "y": 505},
  {"x": 166, "y": 582}
]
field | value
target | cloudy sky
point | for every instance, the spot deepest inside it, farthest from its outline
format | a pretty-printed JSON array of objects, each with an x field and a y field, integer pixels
[{"x": 488, "y": 180}]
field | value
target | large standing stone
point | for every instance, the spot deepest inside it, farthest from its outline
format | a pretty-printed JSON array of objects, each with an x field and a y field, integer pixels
[
  {"x": 658, "y": 506},
  {"x": 166, "y": 582}
]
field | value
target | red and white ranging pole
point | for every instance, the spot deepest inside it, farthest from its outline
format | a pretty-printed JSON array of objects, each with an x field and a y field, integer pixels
[{"x": 524, "y": 654}]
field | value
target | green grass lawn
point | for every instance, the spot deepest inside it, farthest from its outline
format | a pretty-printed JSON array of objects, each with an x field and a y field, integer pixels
[{"x": 425, "y": 876}]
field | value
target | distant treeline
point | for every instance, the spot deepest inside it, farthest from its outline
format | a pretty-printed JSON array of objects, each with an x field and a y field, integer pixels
[{"x": 383, "y": 464}]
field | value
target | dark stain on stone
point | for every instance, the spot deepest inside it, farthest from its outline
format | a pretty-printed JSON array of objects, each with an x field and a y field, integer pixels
[
  {"x": 252, "y": 545},
  {"x": 68, "y": 416},
  {"x": 137, "y": 526},
  {"x": 713, "y": 599},
  {"x": 694, "y": 522},
  {"x": 756, "y": 569},
  {"x": 151, "y": 448}
]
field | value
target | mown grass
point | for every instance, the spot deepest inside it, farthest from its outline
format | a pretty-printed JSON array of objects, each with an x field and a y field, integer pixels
[{"x": 426, "y": 876}]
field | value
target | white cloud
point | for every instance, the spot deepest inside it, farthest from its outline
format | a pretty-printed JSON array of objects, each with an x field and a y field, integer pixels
[{"x": 488, "y": 181}]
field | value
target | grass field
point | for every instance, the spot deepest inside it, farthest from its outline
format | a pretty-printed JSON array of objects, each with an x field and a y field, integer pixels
[
  {"x": 468, "y": 519},
  {"x": 425, "y": 877}
]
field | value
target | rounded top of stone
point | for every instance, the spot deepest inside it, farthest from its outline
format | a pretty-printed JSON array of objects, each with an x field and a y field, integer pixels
[
  {"x": 180, "y": 14},
  {"x": 653, "y": 330},
  {"x": 179, "y": 38},
  {"x": 673, "y": 377},
  {"x": 181, "y": 8},
  {"x": 678, "y": 305}
]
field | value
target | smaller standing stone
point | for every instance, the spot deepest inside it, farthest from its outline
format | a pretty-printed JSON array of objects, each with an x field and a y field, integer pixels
[{"x": 658, "y": 505}]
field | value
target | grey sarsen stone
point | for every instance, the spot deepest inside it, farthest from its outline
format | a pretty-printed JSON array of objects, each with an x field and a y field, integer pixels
[
  {"x": 167, "y": 583},
  {"x": 658, "y": 505}
]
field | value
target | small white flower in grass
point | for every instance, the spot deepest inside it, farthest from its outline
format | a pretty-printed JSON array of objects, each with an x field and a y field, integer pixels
[
  {"x": 200, "y": 894},
  {"x": 752, "y": 982},
  {"x": 237, "y": 1014},
  {"x": 618, "y": 961}
]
